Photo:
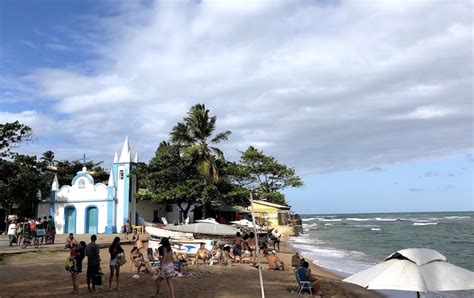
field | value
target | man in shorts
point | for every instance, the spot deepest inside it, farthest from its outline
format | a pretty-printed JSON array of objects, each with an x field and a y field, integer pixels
[{"x": 93, "y": 262}]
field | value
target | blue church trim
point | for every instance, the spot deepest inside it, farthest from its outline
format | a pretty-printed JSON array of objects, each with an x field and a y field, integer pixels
[
  {"x": 126, "y": 191},
  {"x": 83, "y": 174},
  {"x": 66, "y": 226},
  {"x": 52, "y": 200},
  {"x": 110, "y": 228},
  {"x": 86, "y": 218}
]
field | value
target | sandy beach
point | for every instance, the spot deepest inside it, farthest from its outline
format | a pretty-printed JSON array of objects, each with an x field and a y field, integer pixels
[{"x": 42, "y": 274}]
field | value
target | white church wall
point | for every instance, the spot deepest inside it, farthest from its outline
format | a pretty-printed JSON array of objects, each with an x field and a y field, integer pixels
[
  {"x": 43, "y": 209},
  {"x": 80, "y": 222},
  {"x": 146, "y": 209},
  {"x": 173, "y": 211}
]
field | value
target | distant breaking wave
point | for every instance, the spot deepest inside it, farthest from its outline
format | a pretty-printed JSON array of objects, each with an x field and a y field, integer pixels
[
  {"x": 386, "y": 219},
  {"x": 358, "y": 219},
  {"x": 329, "y": 219},
  {"x": 375, "y": 229},
  {"x": 457, "y": 217},
  {"x": 425, "y": 223}
]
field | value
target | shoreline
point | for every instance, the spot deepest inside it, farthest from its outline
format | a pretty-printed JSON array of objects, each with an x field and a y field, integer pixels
[{"x": 331, "y": 282}]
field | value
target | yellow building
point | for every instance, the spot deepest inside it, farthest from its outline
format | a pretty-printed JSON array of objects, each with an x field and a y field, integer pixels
[{"x": 271, "y": 214}]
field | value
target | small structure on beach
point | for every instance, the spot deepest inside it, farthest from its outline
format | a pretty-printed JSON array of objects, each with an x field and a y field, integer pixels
[
  {"x": 271, "y": 214},
  {"x": 87, "y": 207}
]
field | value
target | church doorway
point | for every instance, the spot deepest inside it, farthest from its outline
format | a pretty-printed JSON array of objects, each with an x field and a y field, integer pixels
[
  {"x": 69, "y": 220},
  {"x": 92, "y": 220}
]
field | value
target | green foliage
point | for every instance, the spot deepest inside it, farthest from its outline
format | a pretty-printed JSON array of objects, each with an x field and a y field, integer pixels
[
  {"x": 20, "y": 180},
  {"x": 264, "y": 175},
  {"x": 66, "y": 170},
  {"x": 12, "y": 134},
  {"x": 195, "y": 136}
]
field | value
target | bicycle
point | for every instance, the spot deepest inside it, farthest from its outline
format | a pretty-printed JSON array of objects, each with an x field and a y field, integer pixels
[{"x": 30, "y": 240}]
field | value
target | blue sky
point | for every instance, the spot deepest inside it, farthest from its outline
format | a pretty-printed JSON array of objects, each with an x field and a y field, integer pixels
[{"x": 370, "y": 102}]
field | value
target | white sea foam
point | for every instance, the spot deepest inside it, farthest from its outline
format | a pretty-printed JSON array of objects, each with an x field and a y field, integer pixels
[
  {"x": 340, "y": 260},
  {"x": 328, "y": 224},
  {"x": 309, "y": 219},
  {"x": 375, "y": 229},
  {"x": 358, "y": 219},
  {"x": 425, "y": 223},
  {"x": 457, "y": 217},
  {"x": 386, "y": 219},
  {"x": 330, "y": 219}
]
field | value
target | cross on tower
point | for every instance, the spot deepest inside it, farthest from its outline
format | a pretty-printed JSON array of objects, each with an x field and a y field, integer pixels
[{"x": 84, "y": 159}]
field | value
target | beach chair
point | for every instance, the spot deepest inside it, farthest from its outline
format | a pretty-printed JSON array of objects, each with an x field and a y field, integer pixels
[
  {"x": 302, "y": 285},
  {"x": 153, "y": 262}
]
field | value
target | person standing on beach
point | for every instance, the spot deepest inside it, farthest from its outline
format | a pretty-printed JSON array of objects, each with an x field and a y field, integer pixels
[
  {"x": 127, "y": 228},
  {"x": 114, "y": 250},
  {"x": 78, "y": 254},
  {"x": 52, "y": 229},
  {"x": 12, "y": 232},
  {"x": 166, "y": 266},
  {"x": 93, "y": 261}
]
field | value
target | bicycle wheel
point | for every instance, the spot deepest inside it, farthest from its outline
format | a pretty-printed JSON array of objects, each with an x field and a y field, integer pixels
[
  {"x": 37, "y": 243},
  {"x": 24, "y": 243}
]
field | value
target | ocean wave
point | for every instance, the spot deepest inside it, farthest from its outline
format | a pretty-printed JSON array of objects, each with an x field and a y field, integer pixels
[
  {"x": 358, "y": 219},
  {"x": 375, "y": 229},
  {"x": 309, "y": 219},
  {"x": 328, "y": 224},
  {"x": 457, "y": 217},
  {"x": 386, "y": 219},
  {"x": 425, "y": 223},
  {"x": 330, "y": 219}
]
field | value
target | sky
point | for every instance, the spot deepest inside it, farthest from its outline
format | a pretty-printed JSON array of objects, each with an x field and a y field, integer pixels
[{"x": 370, "y": 101}]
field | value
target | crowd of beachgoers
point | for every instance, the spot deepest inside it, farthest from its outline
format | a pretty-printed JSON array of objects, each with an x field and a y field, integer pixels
[{"x": 163, "y": 263}]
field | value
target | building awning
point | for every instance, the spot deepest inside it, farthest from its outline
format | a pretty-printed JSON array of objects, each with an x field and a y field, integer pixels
[{"x": 226, "y": 208}]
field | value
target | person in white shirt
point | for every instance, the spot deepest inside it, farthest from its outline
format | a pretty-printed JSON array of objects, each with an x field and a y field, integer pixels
[
  {"x": 276, "y": 240},
  {"x": 12, "y": 232}
]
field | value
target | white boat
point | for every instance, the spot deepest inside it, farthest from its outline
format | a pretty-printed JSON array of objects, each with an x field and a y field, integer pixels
[
  {"x": 207, "y": 220},
  {"x": 162, "y": 233},
  {"x": 183, "y": 246},
  {"x": 204, "y": 228}
]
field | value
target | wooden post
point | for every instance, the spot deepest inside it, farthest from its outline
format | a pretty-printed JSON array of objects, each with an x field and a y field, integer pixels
[{"x": 257, "y": 247}]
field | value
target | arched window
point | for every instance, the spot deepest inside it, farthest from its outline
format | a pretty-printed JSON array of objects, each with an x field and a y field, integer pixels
[
  {"x": 121, "y": 175},
  {"x": 82, "y": 183}
]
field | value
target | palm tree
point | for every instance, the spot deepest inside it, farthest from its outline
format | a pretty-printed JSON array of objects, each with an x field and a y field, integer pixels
[
  {"x": 195, "y": 136},
  {"x": 48, "y": 157}
]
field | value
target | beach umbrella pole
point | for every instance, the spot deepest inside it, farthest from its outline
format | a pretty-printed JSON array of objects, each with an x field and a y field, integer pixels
[{"x": 257, "y": 248}]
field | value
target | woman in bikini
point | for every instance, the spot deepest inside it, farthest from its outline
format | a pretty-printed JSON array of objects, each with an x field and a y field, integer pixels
[{"x": 167, "y": 270}]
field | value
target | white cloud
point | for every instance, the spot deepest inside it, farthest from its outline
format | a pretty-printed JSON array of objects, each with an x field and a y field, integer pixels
[{"x": 321, "y": 86}]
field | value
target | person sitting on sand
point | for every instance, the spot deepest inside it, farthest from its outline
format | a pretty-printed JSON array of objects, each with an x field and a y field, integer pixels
[
  {"x": 274, "y": 263},
  {"x": 202, "y": 254},
  {"x": 295, "y": 261},
  {"x": 137, "y": 259},
  {"x": 304, "y": 274},
  {"x": 237, "y": 250},
  {"x": 227, "y": 255},
  {"x": 69, "y": 241},
  {"x": 216, "y": 253}
]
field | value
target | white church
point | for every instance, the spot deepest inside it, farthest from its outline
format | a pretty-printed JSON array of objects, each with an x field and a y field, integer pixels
[{"x": 86, "y": 207}]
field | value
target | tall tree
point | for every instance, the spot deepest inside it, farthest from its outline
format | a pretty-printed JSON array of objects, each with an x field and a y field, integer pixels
[
  {"x": 48, "y": 157},
  {"x": 264, "y": 175},
  {"x": 11, "y": 135},
  {"x": 171, "y": 178},
  {"x": 196, "y": 136},
  {"x": 20, "y": 180}
]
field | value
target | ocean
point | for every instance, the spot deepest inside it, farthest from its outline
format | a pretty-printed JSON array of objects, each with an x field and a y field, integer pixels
[{"x": 349, "y": 243}]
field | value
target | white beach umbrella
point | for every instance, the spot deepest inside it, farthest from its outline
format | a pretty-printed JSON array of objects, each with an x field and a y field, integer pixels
[{"x": 415, "y": 269}]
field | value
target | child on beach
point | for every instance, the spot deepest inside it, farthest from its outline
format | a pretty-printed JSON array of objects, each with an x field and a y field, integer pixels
[
  {"x": 77, "y": 253},
  {"x": 202, "y": 254},
  {"x": 137, "y": 259}
]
